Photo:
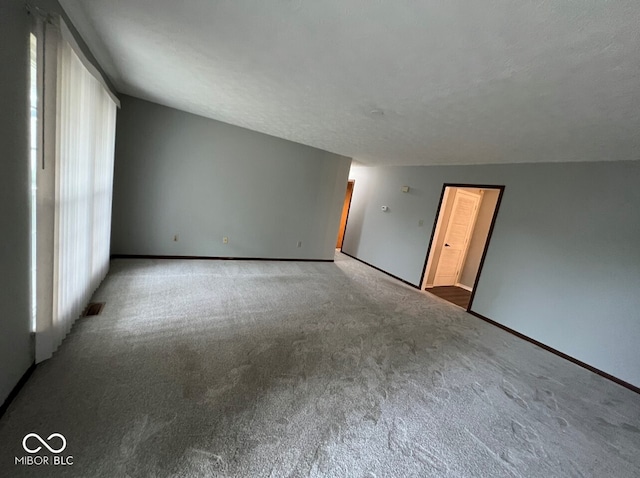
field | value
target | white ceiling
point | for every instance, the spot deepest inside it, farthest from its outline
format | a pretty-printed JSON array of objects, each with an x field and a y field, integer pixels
[{"x": 401, "y": 82}]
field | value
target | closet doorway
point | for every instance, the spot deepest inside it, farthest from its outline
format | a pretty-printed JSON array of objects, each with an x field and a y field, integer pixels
[{"x": 460, "y": 239}]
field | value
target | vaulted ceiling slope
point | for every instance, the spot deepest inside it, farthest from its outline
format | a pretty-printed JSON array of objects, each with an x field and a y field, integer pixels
[{"x": 398, "y": 82}]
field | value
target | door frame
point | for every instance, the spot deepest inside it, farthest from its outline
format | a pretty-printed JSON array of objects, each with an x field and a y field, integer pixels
[
  {"x": 346, "y": 221},
  {"x": 463, "y": 257},
  {"x": 500, "y": 189}
]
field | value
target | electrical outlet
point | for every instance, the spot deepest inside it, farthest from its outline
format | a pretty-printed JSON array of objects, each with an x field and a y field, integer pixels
[
  {"x": 299, "y": 243},
  {"x": 225, "y": 240},
  {"x": 175, "y": 238}
]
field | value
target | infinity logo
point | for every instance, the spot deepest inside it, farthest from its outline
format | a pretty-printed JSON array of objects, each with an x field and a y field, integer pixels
[{"x": 44, "y": 443}]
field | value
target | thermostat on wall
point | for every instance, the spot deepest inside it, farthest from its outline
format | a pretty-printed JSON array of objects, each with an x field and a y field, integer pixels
[{"x": 384, "y": 208}]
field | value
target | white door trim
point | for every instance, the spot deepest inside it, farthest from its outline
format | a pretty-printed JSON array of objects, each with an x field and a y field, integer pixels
[
  {"x": 476, "y": 197},
  {"x": 436, "y": 233},
  {"x": 480, "y": 195}
]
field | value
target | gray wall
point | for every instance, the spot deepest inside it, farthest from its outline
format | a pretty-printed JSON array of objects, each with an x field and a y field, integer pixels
[
  {"x": 182, "y": 174},
  {"x": 16, "y": 354},
  {"x": 563, "y": 266}
]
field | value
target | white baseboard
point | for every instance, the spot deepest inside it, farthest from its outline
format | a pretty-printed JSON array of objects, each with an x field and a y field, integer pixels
[
  {"x": 457, "y": 284},
  {"x": 465, "y": 287}
]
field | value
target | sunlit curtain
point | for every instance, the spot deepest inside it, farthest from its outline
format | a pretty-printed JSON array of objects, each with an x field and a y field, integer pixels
[{"x": 84, "y": 151}]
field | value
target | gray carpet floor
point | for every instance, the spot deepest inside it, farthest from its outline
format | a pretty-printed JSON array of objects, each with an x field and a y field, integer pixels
[{"x": 277, "y": 369}]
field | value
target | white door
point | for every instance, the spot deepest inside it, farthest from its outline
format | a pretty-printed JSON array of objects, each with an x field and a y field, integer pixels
[{"x": 457, "y": 237}]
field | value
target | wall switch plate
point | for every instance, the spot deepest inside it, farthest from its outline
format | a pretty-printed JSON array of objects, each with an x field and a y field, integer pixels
[
  {"x": 225, "y": 240},
  {"x": 299, "y": 243},
  {"x": 405, "y": 189},
  {"x": 384, "y": 208}
]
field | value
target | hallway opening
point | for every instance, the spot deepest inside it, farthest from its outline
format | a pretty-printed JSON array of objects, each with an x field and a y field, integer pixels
[{"x": 461, "y": 232}]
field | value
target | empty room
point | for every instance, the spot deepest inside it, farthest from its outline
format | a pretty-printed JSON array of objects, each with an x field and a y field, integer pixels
[{"x": 288, "y": 238}]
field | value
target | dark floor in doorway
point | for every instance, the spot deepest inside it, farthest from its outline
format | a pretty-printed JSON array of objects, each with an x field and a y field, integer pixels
[{"x": 455, "y": 295}]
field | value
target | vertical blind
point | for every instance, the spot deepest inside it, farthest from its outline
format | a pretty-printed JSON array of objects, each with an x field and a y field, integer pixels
[{"x": 84, "y": 152}]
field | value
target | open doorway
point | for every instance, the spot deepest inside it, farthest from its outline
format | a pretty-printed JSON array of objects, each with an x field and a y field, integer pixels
[
  {"x": 460, "y": 239},
  {"x": 345, "y": 213}
]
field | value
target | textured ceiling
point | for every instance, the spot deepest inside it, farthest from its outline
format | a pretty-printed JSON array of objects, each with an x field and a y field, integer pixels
[{"x": 389, "y": 82}]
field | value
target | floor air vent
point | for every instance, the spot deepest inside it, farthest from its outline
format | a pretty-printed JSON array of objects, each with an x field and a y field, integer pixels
[{"x": 94, "y": 308}]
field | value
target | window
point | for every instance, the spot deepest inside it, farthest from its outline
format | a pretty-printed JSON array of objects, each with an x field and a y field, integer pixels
[{"x": 72, "y": 152}]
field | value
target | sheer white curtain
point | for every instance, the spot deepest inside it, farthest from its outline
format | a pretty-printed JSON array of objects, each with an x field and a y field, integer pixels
[{"x": 83, "y": 177}]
